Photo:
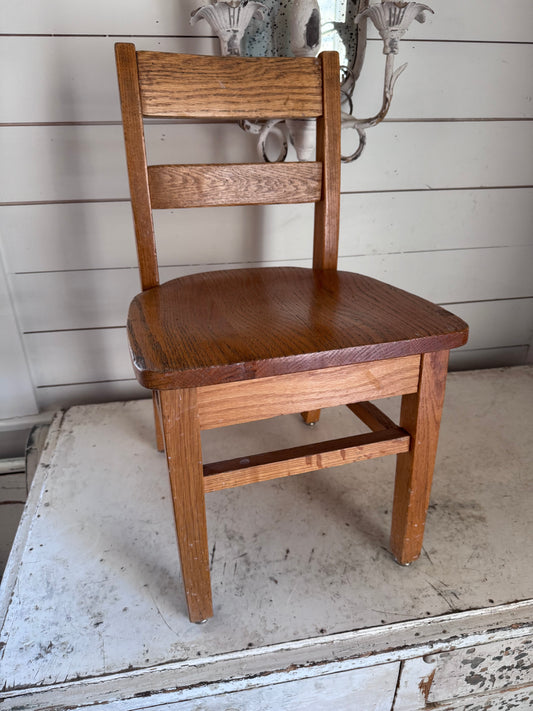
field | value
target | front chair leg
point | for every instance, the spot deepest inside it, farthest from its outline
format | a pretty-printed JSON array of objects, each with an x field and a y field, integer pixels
[
  {"x": 420, "y": 416},
  {"x": 181, "y": 433}
]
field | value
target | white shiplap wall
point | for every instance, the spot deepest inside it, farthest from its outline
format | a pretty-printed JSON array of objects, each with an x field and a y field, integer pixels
[{"x": 441, "y": 202}]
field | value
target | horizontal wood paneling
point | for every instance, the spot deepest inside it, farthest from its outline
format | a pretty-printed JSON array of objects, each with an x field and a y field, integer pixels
[
  {"x": 96, "y": 354},
  {"x": 449, "y": 80},
  {"x": 138, "y": 17},
  {"x": 102, "y": 353},
  {"x": 53, "y": 398},
  {"x": 73, "y": 79},
  {"x": 87, "y": 162},
  {"x": 439, "y": 155},
  {"x": 486, "y": 20},
  {"x": 503, "y": 357},
  {"x": 100, "y": 235},
  {"x": 98, "y": 298},
  {"x": 480, "y": 20},
  {"x": 495, "y": 322}
]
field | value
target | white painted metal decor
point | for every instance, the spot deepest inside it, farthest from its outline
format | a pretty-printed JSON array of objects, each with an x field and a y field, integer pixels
[
  {"x": 297, "y": 30},
  {"x": 229, "y": 20}
]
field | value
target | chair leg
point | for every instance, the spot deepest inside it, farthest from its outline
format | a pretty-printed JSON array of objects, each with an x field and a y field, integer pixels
[
  {"x": 181, "y": 431},
  {"x": 157, "y": 418},
  {"x": 420, "y": 416},
  {"x": 311, "y": 417}
]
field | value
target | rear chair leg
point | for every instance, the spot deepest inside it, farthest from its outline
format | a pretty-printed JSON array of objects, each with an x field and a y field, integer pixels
[
  {"x": 157, "y": 418},
  {"x": 181, "y": 432},
  {"x": 420, "y": 416},
  {"x": 311, "y": 417}
]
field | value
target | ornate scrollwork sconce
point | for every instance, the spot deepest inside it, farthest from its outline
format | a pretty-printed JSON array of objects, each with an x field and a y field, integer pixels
[{"x": 297, "y": 27}]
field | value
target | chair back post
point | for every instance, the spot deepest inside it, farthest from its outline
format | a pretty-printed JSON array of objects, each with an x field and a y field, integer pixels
[
  {"x": 328, "y": 152},
  {"x": 132, "y": 119}
]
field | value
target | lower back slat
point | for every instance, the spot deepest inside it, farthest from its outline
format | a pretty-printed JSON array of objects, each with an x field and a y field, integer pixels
[{"x": 175, "y": 186}]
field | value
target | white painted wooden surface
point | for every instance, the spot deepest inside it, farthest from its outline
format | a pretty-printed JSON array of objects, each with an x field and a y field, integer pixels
[
  {"x": 513, "y": 700},
  {"x": 480, "y": 669},
  {"x": 308, "y": 602},
  {"x": 445, "y": 184},
  {"x": 370, "y": 689}
]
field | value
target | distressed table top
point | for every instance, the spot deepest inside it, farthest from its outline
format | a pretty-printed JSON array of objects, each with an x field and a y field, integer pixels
[{"x": 93, "y": 588}]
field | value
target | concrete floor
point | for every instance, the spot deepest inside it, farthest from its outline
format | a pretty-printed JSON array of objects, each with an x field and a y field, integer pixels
[{"x": 291, "y": 559}]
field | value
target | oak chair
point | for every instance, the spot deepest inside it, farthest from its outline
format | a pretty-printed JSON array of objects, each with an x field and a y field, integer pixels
[{"x": 233, "y": 346}]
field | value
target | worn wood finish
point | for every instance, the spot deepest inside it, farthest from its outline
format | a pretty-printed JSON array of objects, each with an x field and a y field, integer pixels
[
  {"x": 132, "y": 122},
  {"x": 420, "y": 416},
  {"x": 182, "y": 85},
  {"x": 372, "y": 416},
  {"x": 174, "y": 186},
  {"x": 328, "y": 149},
  {"x": 308, "y": 458},
  {"x": 183, "y": 450},
  {"x": 243, "y": 324},
  {"x": 249, "y": 400}
]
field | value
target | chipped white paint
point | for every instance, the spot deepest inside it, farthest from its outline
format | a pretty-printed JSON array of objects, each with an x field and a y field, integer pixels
[
  {"x": 306, "y": 595},
  {"x": 479, "y": 669}
]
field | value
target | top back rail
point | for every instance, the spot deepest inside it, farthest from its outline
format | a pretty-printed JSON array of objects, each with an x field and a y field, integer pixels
[
  {"x": 237, "y": 87},
  {"x": 164, "y": 85}
]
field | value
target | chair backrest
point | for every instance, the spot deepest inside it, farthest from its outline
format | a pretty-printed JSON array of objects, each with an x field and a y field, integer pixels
[{"x": 164, "y": 85}]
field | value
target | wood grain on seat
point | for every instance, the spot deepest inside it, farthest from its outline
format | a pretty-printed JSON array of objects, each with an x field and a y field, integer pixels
[{"x": 240, "y": 324}]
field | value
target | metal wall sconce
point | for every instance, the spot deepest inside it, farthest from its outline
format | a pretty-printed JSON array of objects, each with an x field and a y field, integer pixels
[{"x": 301, "y": 28}]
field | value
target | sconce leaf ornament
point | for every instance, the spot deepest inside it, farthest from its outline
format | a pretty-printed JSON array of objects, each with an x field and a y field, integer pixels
[
  {"x": 392, "y": 19},
  {"x": 229, "y": 20}
]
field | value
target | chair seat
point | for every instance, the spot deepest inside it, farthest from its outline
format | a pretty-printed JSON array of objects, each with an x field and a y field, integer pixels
[{"x": 240, "y": 324}]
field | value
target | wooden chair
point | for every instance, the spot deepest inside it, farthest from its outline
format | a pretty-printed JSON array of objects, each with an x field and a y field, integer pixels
[{"x": 238, "y": 345}]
